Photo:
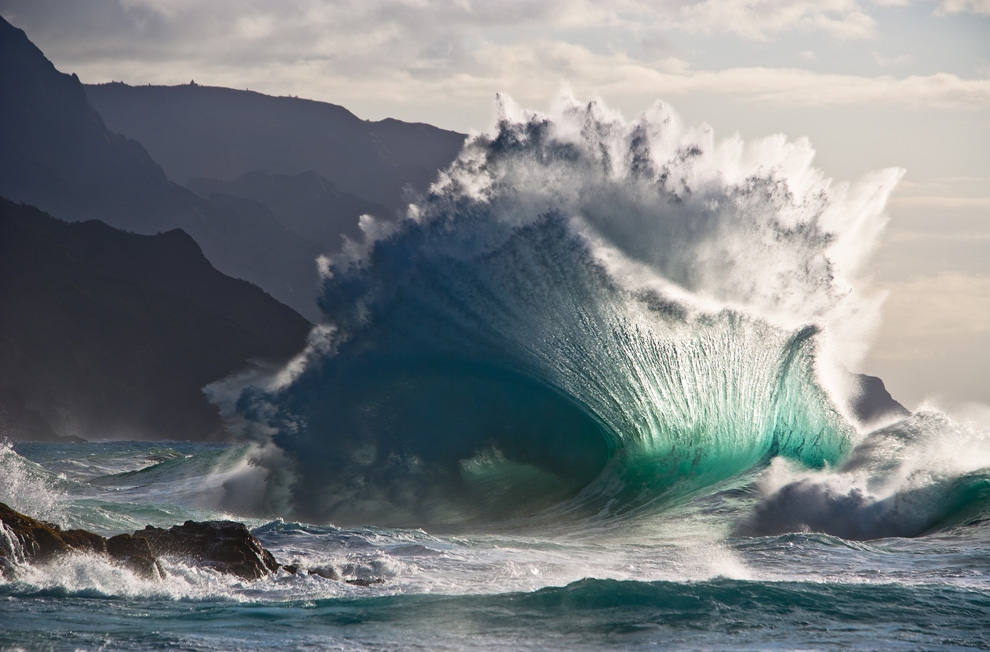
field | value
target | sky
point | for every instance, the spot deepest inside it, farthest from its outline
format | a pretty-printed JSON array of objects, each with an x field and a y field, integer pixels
[{"x": 872, "y": 83}]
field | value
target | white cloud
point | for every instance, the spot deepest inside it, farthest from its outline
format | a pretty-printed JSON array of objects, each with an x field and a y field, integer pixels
[
  {"x": 963, "y": 6},
  {"x": 937, "y": 201},
  {"x": 353, "y": 68},
  {"x": 463, "y": 51},
  {"x": 763, "y": 19},
  {"x": 897, "y": 237},
  {"x": 795, "y": 88}
]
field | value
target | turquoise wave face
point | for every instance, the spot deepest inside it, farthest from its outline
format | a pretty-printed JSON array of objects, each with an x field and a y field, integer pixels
[
  {"x": 611, "y": 314},
  {"x": 462, "y": 399}
]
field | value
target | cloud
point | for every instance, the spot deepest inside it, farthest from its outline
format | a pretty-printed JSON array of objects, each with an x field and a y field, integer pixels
[
  {"x": 763, "y": 19},
  {"x": 963, "y": 6},
  {"x": 944, "y": 236},
  {"x": 458, "y": 53},
  {"x": 941, "y": 201}
]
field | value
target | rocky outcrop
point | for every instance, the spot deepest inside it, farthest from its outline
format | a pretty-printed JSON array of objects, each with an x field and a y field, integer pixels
[
  {"x": 136, "y": 554},
  {"x": 24, "y": 539},
  {"x": 873, "y": 402},
  {"x": 224, "y": 546}
]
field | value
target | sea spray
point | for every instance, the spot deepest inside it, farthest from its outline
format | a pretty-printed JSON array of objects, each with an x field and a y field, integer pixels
[
  {"x": 921, "y": 474},
  {"x": 581, "y": 309},
  {"x": 27, "y": 487}
]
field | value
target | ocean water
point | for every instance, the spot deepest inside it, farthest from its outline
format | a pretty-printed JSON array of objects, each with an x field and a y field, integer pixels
[{"x": 590, "y": 392}]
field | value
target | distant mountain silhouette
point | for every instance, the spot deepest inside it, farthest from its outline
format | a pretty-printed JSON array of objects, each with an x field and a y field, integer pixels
[
  {"x": 307, "y": 204},
  {"x": 108, "y": 334},
  {"x": 874, "y": 402},
  {"x": 56, "y": 153},
  {"x": 219, "y": 133}
]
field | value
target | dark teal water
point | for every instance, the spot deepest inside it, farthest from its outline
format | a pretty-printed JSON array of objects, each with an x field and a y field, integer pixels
[
  {"x": 678, "y": 579},
  {"x": 587, "y": 615}
]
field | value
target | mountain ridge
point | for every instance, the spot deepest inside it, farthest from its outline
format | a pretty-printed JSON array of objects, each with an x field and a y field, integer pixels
[
  {"x": 106, "y": 334},
  {"x": 57, "y": 153},
  {"x": 212, "y": 132}
]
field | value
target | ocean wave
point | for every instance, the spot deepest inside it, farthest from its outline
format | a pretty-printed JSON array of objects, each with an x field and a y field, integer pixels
[
  {"x": 923, "y": 474},
  {"x": 582, "y": 311}
]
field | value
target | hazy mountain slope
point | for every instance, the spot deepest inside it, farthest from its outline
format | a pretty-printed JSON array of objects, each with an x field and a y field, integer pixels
[
  {"x": 56, "y": 153},
  {"x": 220, "y": 133},
  {"x": 307, "y": 204}
]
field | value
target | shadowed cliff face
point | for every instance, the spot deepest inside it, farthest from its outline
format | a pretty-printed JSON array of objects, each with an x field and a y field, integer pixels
[
  {"x": 56, "y": 151},
  {"x": 107, "y": 334}
]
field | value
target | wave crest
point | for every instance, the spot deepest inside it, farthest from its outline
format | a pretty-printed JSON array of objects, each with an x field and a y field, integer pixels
[{"x": 581, "y": 306}]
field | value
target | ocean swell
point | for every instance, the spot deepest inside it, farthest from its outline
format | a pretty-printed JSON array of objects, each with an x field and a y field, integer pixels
[{"x": 582, "y": 309}]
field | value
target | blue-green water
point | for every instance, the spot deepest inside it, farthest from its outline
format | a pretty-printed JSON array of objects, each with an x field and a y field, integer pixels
[
  {"x": 591, "y": 392},
  {"x": 678, "y": 579}
]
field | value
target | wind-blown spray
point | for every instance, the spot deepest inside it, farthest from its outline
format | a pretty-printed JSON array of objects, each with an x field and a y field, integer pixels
[{"x": 581, "y": 309}]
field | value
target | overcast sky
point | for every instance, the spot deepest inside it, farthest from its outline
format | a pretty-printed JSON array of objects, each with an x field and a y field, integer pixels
[{"x": 873, "y": 84}]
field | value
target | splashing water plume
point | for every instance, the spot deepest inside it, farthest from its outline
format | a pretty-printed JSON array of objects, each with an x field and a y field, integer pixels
[{"x": 584, "y": 313}]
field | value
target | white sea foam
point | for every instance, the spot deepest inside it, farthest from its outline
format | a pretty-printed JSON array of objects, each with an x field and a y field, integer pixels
[
  {"x": 927, "y": 471},
  {"x": 28, "y": 488}
]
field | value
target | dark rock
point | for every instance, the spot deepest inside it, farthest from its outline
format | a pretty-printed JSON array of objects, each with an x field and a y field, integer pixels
[
  {"x": 44, "y": 541},
  {"x": 136, "y": 554},
  {"x": 84, "y": 541},
  {"x": 225, "y": 546},
  {"x": 37, "y": 540},
  {"x": 7, "y": 568}
]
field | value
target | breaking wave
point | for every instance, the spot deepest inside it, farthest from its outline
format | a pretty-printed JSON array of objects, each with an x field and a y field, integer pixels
[{"x": 583, "y": 313}]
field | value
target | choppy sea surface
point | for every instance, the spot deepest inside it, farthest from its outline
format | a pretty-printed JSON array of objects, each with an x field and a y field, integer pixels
[
  {"x": 678, "y": 579},
  {"x": 592, "y": 391}
]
